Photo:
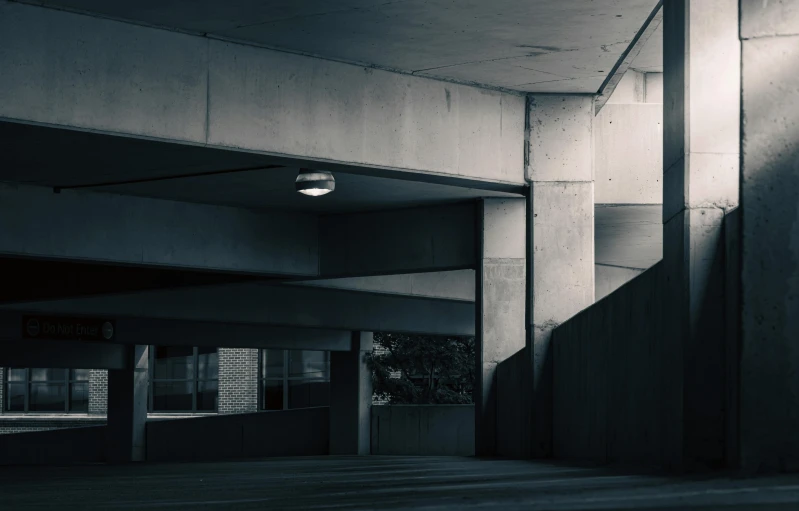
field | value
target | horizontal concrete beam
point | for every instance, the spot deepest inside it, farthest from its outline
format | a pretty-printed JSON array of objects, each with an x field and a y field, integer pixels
[
  {"x": 118, "y": 229},
  {"x": 81, "y": 72},
  {"x": 402, "y": 241},
  {"x": 451, "y": 285},
  {"x": 261, "y": 304},
  {"x": 229, "y": 335}
]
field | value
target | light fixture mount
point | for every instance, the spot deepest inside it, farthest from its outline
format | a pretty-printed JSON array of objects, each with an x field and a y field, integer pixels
[{"x": 315, "y": 182}]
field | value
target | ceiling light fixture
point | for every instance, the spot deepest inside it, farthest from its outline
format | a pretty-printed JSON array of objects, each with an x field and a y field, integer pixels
[{"x": 315, "y": 182}]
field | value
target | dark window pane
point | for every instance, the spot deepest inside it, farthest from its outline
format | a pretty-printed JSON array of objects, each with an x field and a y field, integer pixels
[
  {"x": 271, "y": 363},
  {"x": 272, "y": 394},
  {"x": 16, "y": 397},
  {"x": 79, "y": 398},
  {"x": 16, "y": 375},
  {"x": 207, "y": 364},
  {"x": 309, "y": 364},
  {"x": 79, "y": 374},
  {"x": 304, "y": 394},
  {"x": 206, "y": 396},
  {"x": 48, "y": 374},
  {"x": 172, "y": 397},
  {"x": 174, "y": 362},
  {"x": 47, "y": 397}
]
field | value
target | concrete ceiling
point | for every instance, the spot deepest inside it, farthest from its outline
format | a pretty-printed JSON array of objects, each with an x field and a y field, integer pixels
[
  {"x": 523, "y": 45},
  {"x": 62, "y": 158}
]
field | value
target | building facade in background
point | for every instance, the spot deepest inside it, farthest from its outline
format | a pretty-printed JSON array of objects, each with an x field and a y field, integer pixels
[{"x": 183, "y": 381}]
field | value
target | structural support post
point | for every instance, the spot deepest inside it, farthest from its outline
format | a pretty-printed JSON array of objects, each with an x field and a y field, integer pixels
[
  {"x": 560, "y": 240},
  {"x": 351, "y": 397},
  {"x": 700, "y": 186},
  {"x": 769, "y": 373},
  {"x": 500, "y": 302},
  {"x": 127, "y": 408}
]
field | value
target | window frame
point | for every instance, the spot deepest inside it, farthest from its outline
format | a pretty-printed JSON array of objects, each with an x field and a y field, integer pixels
[
  {"x": 195, "y": 381},
  {"x": 68, "y": 382},
  {"x": 285, "y": 379}
]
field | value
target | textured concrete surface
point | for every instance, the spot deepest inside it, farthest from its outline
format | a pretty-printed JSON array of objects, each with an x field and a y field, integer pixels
[
  {"x": 628, "y": 154},
  {"x": 382, "y": 482},
  {"x": 770, "y": 257},
  {"x": 276, "y": 305},
  {"x": 539, "y": 45},
  {"x": 609, "y": 402},
  {"x": 108, "y": 228},
  {"x": 500, "y": 307},
  {"x": 411, "y": 240},
  {"x": 89, "y": 73},
  {"x": 423, "y": 430},
  {"x": 561, "y": 144},
  {"x": 701, "y": 121}
]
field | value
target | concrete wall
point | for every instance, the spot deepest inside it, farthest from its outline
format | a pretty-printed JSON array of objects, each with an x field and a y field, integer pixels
[
  {"x": 770, "y": 238},
  {"x": 302, "y": 432},
  {"x": 96, "y": 74},
  {"x": 432, "y": 430},
  {"x": 608, "y": 391},
  {"x": 60, "y": 446}
]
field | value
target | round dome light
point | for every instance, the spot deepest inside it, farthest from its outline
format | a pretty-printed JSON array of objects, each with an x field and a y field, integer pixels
[{"x": 315, "y": 182}]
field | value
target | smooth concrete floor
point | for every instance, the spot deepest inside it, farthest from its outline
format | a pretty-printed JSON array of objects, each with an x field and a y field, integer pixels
[{"x": 380, "y": 482}]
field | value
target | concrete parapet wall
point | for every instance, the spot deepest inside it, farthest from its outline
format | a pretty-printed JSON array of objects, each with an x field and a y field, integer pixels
[
  {"x": 609, "y": 377},
  {"x": 302, "y": 432},
  {"x": 433, "y": 430},
  {"x": 58, "y": 446}
]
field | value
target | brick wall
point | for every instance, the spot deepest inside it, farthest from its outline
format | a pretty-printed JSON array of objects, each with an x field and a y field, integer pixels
[
  {"x": 98, "y": 391},
  {"x": 238, "y": 380}
]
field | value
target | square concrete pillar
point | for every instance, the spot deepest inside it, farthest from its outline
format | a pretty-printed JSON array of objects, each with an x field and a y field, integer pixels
[
  {"x": 769, "y": 373},
  {"x": 351, "y": 397},
  {"x": 560, "y": 236},
  {"x": 127, "y": 408},
  {"x": 500, "y": 312},
  {"x": 700, "y": 186}
]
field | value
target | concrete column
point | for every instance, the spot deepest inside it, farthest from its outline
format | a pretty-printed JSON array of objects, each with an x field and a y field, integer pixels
[
  {"x": 500, "y": 302},
  {"x": 127, "y": 408},
  {"x": 561, "y": 236},
  {"x": 351, "y": 397},
  {"x": 769, "y": 373},
  {"x": 700, "y": 186}
]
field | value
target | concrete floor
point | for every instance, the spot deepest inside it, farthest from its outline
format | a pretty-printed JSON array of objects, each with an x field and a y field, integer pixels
[{"x": 379, "y": 482}]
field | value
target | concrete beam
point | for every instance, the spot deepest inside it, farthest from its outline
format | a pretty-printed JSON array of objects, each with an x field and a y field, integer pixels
[
  {"x": 403, "y": 241},
  {"x": 117, "y": 229},
  {"x": 261, "y": 304},
  {"x": 81, "y": 72},
  {"x": 451, "y": 285}
]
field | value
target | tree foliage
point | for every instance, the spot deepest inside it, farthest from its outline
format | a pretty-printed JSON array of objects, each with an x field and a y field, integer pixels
[{"x": 418, "y": 369}]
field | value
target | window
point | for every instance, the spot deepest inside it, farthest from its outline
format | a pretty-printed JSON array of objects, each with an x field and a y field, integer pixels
[
  {"x": 47, "y": 390},
  {"x": 294, "y": 379},
  {"x": 183, "y": 379}
]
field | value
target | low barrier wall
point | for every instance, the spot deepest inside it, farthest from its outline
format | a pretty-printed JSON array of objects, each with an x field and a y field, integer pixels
[
  {"x": 301, "y": 432},
  {"x": 432, "y": 430},
  {"x": 610, "y": 377}
]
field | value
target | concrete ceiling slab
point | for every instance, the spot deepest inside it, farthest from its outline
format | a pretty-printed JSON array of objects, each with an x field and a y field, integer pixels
[
  {"x": 513, "y": 44},
  {"x": 52, "y": 157}
]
